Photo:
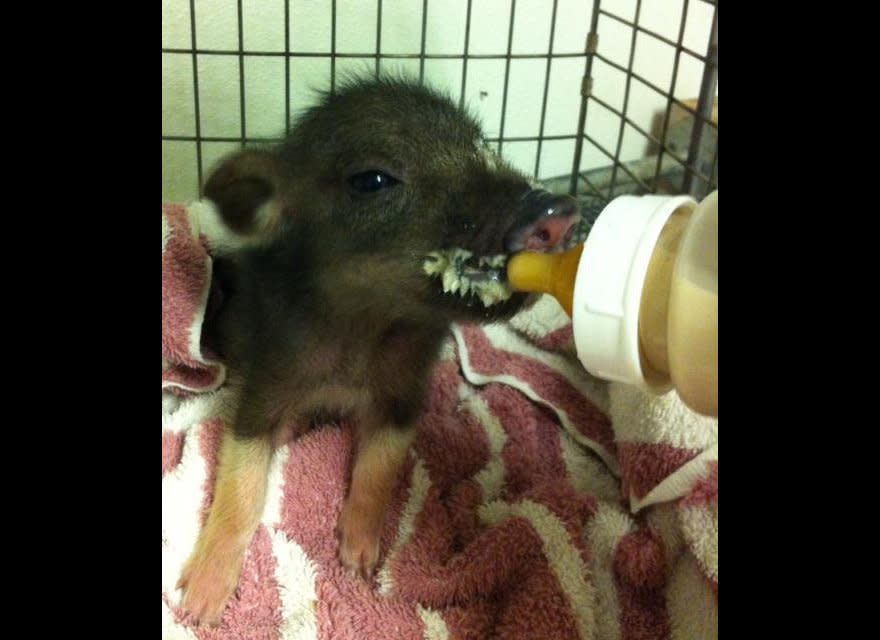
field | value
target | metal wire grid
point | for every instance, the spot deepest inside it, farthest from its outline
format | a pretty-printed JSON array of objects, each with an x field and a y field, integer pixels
[
  {"x": 694, "y": 181},
  {"x": 701, "y": 115}
]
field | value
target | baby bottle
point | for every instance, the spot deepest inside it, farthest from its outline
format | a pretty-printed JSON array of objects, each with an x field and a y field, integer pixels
[{"x": 642, "y": 292}]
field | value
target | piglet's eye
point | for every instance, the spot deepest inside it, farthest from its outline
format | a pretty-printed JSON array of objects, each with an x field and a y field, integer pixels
[{"x": 372, "y": 181}]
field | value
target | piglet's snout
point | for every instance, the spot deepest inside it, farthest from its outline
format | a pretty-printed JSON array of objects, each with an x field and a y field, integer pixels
[{"x": 545, "y": 224}]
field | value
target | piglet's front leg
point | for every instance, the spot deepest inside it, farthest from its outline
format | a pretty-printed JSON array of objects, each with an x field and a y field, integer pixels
[
  {"x": 380, "y": 455},
  {"x": 211, "y": 574}
]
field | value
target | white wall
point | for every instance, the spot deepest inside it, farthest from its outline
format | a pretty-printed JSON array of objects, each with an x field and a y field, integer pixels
[{"x": 310, "y": 20}]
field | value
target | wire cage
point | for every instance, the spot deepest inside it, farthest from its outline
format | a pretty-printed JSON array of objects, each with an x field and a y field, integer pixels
[
  {"x": 681, "y": 152},
  {"x": 597, "y": 98}
]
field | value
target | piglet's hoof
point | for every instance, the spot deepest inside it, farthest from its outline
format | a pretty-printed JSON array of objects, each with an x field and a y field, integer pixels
[
  {"x": 208, "y": 583},
  {"x": 359, "y": 535}
]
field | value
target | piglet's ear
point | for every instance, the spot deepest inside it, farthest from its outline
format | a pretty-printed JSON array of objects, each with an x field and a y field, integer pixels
[{"x": 243, "y": 187}]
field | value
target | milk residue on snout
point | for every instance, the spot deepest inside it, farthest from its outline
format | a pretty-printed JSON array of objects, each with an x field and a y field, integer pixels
[{"x": 485, "y": 280}]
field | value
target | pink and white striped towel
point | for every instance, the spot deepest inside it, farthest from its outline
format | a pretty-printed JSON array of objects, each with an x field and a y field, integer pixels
[{"x": 537, "y": 502}]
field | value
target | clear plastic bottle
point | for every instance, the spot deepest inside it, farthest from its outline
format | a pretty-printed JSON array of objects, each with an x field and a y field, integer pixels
[{"x": 642, "y": 292}]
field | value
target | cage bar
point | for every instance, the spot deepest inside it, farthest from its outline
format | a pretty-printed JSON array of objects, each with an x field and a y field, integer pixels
[
  {"x": 506, "y": 74},
  {"x": 464, "y": 61},
  {"x": 286, "y": 66},
  {"x": 669, "y": 99},
  {"x": 632, "y": 57},
  {"x": 241, "y": 105},
  {"x": 546, "y": 89},
  {"x": 195, "y": 63},
  {"x": 333, "y": 54},
  {"x": 586, "y": 86},
  {"x": 704, "y": 108},
  {"x": 424, "y": 36},
  {"x": 372, "y": 54},
  {"x": 378, "y": 35}
]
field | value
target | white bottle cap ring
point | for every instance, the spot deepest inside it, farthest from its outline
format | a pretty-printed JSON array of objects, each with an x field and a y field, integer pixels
[{"x": 608, "y": 287}]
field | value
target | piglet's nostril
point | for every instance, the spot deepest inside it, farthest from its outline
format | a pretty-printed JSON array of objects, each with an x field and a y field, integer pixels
[{"x": 549, "y": 232}]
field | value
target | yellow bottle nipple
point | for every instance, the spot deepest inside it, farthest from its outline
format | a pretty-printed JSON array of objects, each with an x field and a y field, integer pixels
[{"x": 552, "y": 273}]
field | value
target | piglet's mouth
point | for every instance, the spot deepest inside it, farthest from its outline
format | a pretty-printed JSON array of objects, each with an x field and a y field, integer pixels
[{"x": 468, "y": 276}]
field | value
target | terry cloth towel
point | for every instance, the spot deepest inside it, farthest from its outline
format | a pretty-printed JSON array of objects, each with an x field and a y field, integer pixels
[{"x": 537, "y": 501}]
